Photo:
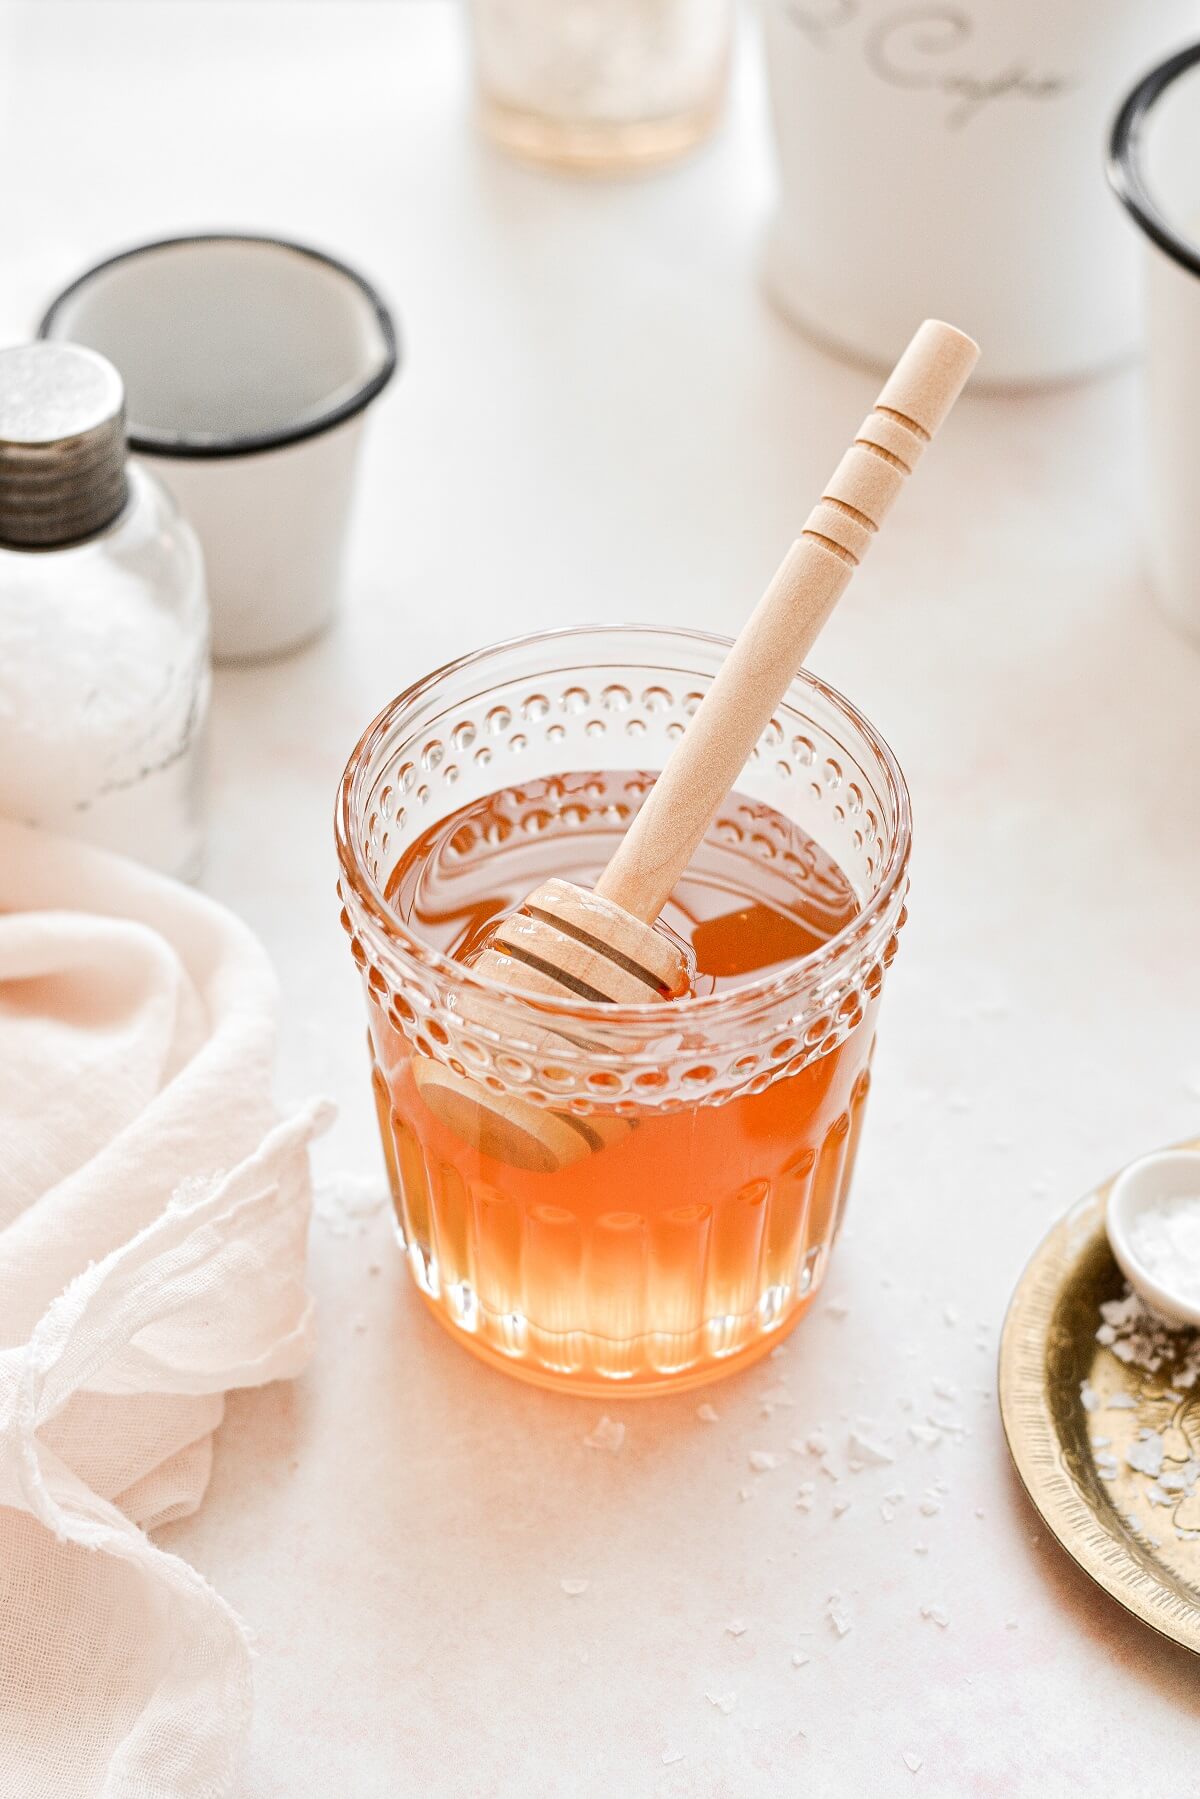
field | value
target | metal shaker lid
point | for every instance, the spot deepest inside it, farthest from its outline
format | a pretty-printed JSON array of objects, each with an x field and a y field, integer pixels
[{"x": 62, "y": 445}]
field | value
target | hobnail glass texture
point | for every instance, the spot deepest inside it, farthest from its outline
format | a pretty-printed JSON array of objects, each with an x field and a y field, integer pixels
[{"x": 555, "y": 1276}]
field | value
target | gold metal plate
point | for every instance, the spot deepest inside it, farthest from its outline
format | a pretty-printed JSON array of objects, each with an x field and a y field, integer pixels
[{"x": 1144, "y": 1554}]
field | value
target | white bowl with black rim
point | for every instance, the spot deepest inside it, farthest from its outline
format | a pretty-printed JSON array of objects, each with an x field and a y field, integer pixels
[
  {"x": 1154, "y": 168},
  {"x": 249, "y": 364}
]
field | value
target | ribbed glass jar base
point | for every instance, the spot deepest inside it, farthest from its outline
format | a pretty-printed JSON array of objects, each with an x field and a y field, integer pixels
[{"x": 576, "y": 1291}]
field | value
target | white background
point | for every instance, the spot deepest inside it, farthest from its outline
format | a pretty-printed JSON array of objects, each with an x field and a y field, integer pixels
[{"x": 599, "y": 416}]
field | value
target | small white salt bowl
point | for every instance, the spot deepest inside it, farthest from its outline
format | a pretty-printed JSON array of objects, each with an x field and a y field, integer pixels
[
  {"x": 248, "y": 364},
  {"x": 1167, "y": 1175}
]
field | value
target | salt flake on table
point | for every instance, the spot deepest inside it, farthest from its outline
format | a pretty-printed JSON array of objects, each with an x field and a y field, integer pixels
[
  {"x": 840, "y": 1506},
  {"x": 607, "y": 1435},
  {"x": 928, "y": 1434},
  {"x": 805, "y": 1496},
  {"x": 1092, "y": 1400},
  {"x": 945, "y": 1389},
  {"x": 950, "y": 1314},
  {"x": 672, "y": 1755},
  {"x": 573, "y": 1588},
  {"x": 837, "y": 1308},
  {"x": 839, "y": 1617},
  {"x": 762, "y": 1461},
  {"x": 777, "y": 1395},
  {"x": 799, "y": 1659},
  {"x": 724, "y": 1702},
  {"x": 867, "y": 1452},
  {"x": 737, "y": 1628},
  {"x": 937, "y": 1614},
  {"x": 912, "y": 1761},
  {"x": 707, "y": 1414},
  {"x": 350, "y": 1196}
]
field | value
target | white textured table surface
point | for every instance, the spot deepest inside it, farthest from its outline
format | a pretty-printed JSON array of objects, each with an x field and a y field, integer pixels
[{"x": 600, "y": 417}]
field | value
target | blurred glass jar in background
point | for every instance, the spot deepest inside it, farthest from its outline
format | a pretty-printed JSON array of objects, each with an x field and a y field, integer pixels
[{"x": 600, "y": 85}]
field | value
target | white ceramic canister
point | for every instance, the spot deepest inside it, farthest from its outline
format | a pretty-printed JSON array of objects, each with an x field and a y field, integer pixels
[
  {"x": 248, "y": 365},
  {"x": 946, "y": 159},
  {"x": 1155, "y": 168}
]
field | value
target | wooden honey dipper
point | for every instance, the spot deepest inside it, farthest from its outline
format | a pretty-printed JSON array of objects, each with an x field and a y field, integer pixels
[{"x": 602, "y": 946}]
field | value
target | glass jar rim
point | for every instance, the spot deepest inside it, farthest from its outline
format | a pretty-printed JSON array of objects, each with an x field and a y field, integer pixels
[{"x": 711, "y": 1009}]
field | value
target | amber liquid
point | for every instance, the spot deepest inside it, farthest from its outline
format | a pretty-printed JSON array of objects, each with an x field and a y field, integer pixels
[{"x": 690, "y": 1245}]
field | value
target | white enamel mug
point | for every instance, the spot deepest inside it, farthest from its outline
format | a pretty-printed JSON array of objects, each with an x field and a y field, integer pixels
[
  {"x": 946, "y": 159},
  {"x": 248, "y": 365},
  {"x": 1155, "y": 168}
]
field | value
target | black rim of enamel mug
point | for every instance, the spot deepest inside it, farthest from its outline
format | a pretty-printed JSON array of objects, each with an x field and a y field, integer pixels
[
  {"x": 1125, "y": 159},
  {"x": 149, "y": 442}
]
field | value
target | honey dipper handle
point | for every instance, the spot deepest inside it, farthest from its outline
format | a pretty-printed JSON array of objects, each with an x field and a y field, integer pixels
[{"x": 777, "y": 637}]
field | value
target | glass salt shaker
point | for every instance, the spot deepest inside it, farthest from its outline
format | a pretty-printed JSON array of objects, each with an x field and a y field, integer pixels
[
  {"x": 600, "y": 85},
  {"x": 104, "y": 663}
]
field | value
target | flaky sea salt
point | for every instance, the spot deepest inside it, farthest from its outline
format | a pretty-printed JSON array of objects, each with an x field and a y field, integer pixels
[
  {"x": 912, "y": 1761},
  {"x": 707, "y": 1414},
  {"x": 1141, "y": 1339},
  {"x": 864, "y": 1451},
  {"x": 573, "y": 1588},
  {"x": 763, "y": 1461},
  {"x": 805, "y": 1495},
  {"x": 724, "y": 1702},
  {"x": 1165, "y": 1238},
  {"x": 607, "y": 1435},
  {"x": 937, "y": 1614},
  {"x": 799, "y": 1659},
  {"x": 737, "y": 1628},
  {"x": 1146, "y": 1455},
  {"x": 672, "y": 1755},
  {"x": 839, "y": 1617}
]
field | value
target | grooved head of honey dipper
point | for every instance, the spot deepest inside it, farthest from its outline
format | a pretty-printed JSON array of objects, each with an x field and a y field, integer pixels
[{"x": 566, "y": 943}]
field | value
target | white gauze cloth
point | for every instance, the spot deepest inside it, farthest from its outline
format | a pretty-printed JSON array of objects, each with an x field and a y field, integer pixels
[{"x": 153, "y": 1221}]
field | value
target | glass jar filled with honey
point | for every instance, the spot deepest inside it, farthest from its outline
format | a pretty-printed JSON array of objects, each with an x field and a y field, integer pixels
[{"x": 717, "y": 1132}]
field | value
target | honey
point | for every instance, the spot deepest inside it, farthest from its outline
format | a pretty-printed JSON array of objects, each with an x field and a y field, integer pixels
[{"x": 688, "y": 1245}]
